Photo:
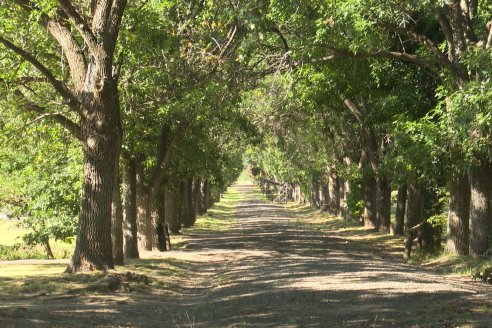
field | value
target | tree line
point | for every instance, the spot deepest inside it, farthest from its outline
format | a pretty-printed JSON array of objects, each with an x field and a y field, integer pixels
[{"x": 155, "y": 102}]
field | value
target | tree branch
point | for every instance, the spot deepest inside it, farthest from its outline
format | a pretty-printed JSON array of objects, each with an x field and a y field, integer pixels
[
  {"x": 488, "y": 43},
  {"x": 66, "y": 40},
  {"x": 79, "y": 23},
  {"x": 116, "y": 16},
  {"x": 59, "y": 86},
  {"x": 164, "y": 161},
  {"x": 422, "y": 40},
  {"x": 59, "y": 118},
  {"x": 401, "y": 56}
]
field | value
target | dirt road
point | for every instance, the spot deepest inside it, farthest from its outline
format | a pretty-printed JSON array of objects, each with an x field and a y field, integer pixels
[{"x": 269, "y": 271}]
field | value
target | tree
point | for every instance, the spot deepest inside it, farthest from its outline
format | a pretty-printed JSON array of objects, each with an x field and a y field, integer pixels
[{"x": 87, "y": 36}]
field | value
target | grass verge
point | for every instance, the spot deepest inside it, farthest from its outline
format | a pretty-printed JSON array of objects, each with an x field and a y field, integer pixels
[{"x": 383, "y": 243}]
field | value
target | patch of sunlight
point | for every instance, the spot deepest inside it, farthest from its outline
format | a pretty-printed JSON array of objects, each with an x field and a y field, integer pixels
[{"x": 404, "y": 283}]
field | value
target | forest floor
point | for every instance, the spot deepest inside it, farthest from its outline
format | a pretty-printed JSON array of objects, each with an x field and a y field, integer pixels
[{"x": 256, "y": 264}]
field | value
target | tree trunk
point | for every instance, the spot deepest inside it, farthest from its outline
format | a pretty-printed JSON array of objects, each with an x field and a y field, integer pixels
[
  {"x": 117, "y": 220},
  {"x": 195, "y": 183},
  {"x": 171, "y": 203},
  {"x": 188, "y": 210},
  {"x": 162, "y": 229},
  {"x": 101, "y": 143},
  {"x": 480, "y": 177},
  {"x": 146, "y": 230},
  {"x": 209, "y": 202},
  {"x": 334, "y": 191},
  {"x": 384, "y": 204},
  {"x": 414, "y": 209},
  {"x": 369, "y": 189},
  {"x": 401, "y": 204},
  {"x": 130, "y": 215},
  {"x": 204, "y": 197},
  {"x": 315, "y": 202},
  {"x": 197, "y": 190},
  {"x": 343, "y": 198},
  {"x": 325, "y": 196},
  {"x": 458, "y": 229},
  {"x": 47, "y": 248}
]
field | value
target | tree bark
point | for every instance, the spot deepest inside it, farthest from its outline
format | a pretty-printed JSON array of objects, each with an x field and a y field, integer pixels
[
  {"x": 197, "y": 190},
  {"x": 207, "y": 195},
  {"x": 369, "y": 189},
  {"x": 162, "y": 229},
  {"x": 172, "y": 207},
  {"x": 384, "y": 204},
  {"x": 101, "y": 135},
  {"x": 47, "y": 249},
  {"x": 117, "y": 220},
  {"x": 188, "y": 204},
  {"x": 480, "y": 177},
  {"x": 458, "y": 228},
  {"x": 401, "y": 203},
  {"x": 145, "y": 226},
  {"x": 334, "y": 191},
  {"x": 325, "y": 196},
  {"x": 130, "y": 213},
  {"x": 414, "y": 209},
  {"x": 315, "y": 202}
]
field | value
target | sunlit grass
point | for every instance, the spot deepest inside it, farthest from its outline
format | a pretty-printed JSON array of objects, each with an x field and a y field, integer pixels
[
  {"x": 244, "y": 178},
  {"x": 10, "y": 232},
  {"x": 12, "y": 246},
  {"x": 218, "y": 218},
  {"x": 23, "y": 280}
]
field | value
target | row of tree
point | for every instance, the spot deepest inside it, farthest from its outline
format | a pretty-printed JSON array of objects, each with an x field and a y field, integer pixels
[
  {"x": 143, "y": 105},
  {"x": 348, "y": 100},
  {"x": 372, "y": 97}
]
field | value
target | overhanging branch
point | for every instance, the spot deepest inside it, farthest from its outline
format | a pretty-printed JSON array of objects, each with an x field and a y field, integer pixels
[
  {"x": 59, "y": 86},
  {"x": 401, "y": 56}
]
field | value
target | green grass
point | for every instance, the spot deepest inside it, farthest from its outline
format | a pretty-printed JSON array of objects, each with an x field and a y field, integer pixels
[
  {"x": 244, "y": 178},
  {"x": 218, "y": 218},
  {"x": 10, "y": 232},
  {"x": 24, "y": 280},
  {"x": 13, "y": 248}
]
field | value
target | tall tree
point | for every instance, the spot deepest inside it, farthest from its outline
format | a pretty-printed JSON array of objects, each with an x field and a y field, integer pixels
[{"x": 87, "y": 34}]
